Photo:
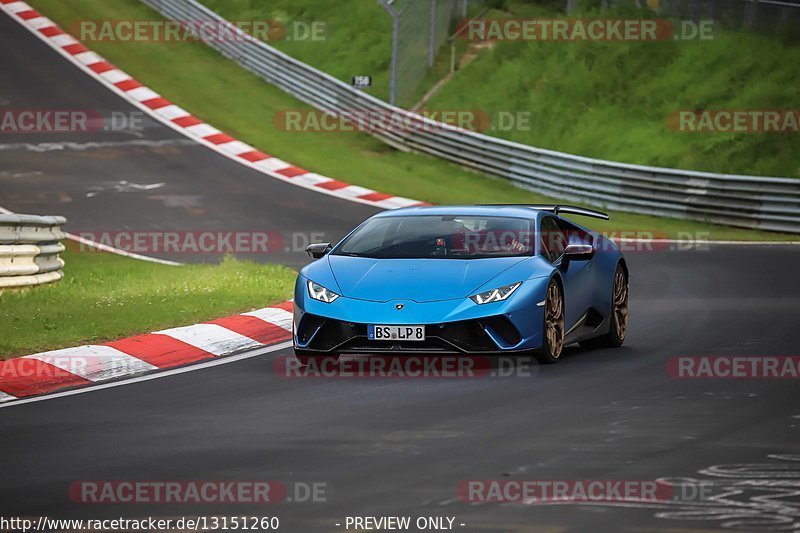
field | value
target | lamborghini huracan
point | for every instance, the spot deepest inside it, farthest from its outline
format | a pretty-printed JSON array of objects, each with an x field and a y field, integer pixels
[{"x": 483, "y": 279}]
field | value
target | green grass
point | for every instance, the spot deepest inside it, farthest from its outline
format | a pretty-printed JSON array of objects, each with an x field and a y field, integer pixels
[
  {"x": 357, "y": 34},
  {"x": 105, "y": 297},
  {"x": 611, "y": 100},
  {"x": 236, "y": 101},
  {"x": 607, "y": 100}
]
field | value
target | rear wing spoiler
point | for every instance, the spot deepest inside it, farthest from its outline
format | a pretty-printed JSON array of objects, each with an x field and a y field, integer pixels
[{"x": 559, "y": 209}]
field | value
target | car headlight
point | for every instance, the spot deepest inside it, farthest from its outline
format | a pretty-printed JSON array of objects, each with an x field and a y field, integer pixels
[
  {"x": 320, "y": 293},
  {"x": 495, "y": 295}
]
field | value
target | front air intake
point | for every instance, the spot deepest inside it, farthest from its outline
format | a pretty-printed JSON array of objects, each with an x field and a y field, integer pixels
[{"x": 501, "y": 329}]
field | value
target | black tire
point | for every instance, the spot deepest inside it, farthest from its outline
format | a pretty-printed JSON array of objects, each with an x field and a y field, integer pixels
[
  {"x": 618, "y": 329},
  {"x": 553, "y": 326}
]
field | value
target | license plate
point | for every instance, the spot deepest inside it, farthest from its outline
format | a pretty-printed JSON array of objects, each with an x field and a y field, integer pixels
[{"x": 395, "y": 333}]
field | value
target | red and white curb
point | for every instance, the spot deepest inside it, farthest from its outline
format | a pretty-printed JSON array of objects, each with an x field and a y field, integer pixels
[
  {"x": 48, "y": 372},
  {"x": 69, "y": 368},
  {"x": 181, "y": 120}
]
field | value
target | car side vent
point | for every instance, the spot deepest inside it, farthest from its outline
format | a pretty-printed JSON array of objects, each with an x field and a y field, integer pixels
[{"x": 594, "y": 318}]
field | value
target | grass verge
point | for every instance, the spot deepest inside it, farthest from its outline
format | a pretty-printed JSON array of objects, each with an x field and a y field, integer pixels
[
  {"x": 238, "y": 102},
  {"x": 105, "y": 297},
  {"x": 609, "y": 100},
  {"x": 620, "y": 100}
]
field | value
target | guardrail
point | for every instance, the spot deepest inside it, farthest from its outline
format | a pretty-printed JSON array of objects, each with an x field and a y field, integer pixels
[
  {"x": 767, "y": 203},
  {"x": 29, "y": 250}
]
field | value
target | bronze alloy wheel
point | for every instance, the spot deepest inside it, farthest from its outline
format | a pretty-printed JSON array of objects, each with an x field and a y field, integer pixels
[
  {"x": 554, "y": 321},
  {"x": 620, "y": 303}
]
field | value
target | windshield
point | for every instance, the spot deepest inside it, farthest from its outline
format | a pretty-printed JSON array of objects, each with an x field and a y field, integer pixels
[{"x": 440, "y": 237}]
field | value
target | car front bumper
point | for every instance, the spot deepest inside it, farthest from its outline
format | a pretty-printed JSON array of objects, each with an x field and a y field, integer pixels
[{"x": 452, "y": 326}]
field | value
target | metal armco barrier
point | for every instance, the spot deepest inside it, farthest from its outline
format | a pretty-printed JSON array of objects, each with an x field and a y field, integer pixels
[
  {"x": 29, "y": 250},
  {"x": 757, "y": 202}
]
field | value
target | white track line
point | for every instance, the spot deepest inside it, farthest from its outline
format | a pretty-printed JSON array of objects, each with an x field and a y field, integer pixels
[
  {"x": 149, "y": 377},
  {"x": 136, "y": 96},
  {"x": 106, "y": 248},
  {"x": 111, "y": 249}
]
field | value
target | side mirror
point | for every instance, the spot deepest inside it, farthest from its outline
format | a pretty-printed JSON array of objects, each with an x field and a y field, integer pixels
[
  {"x": 318, "y": 250},
  {"x": 578, "y": 252}
]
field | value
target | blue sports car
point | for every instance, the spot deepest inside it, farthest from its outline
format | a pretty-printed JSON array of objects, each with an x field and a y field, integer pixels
[{"x": 488, "y": 279}]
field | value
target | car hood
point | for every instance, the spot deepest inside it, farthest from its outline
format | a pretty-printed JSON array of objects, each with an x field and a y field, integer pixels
[{"x": 420, "y": 280}]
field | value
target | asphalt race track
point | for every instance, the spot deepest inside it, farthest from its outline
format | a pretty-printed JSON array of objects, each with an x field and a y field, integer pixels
[
  {"x": 394, "y": 447},
  {"x": 80, "y": 175}
]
